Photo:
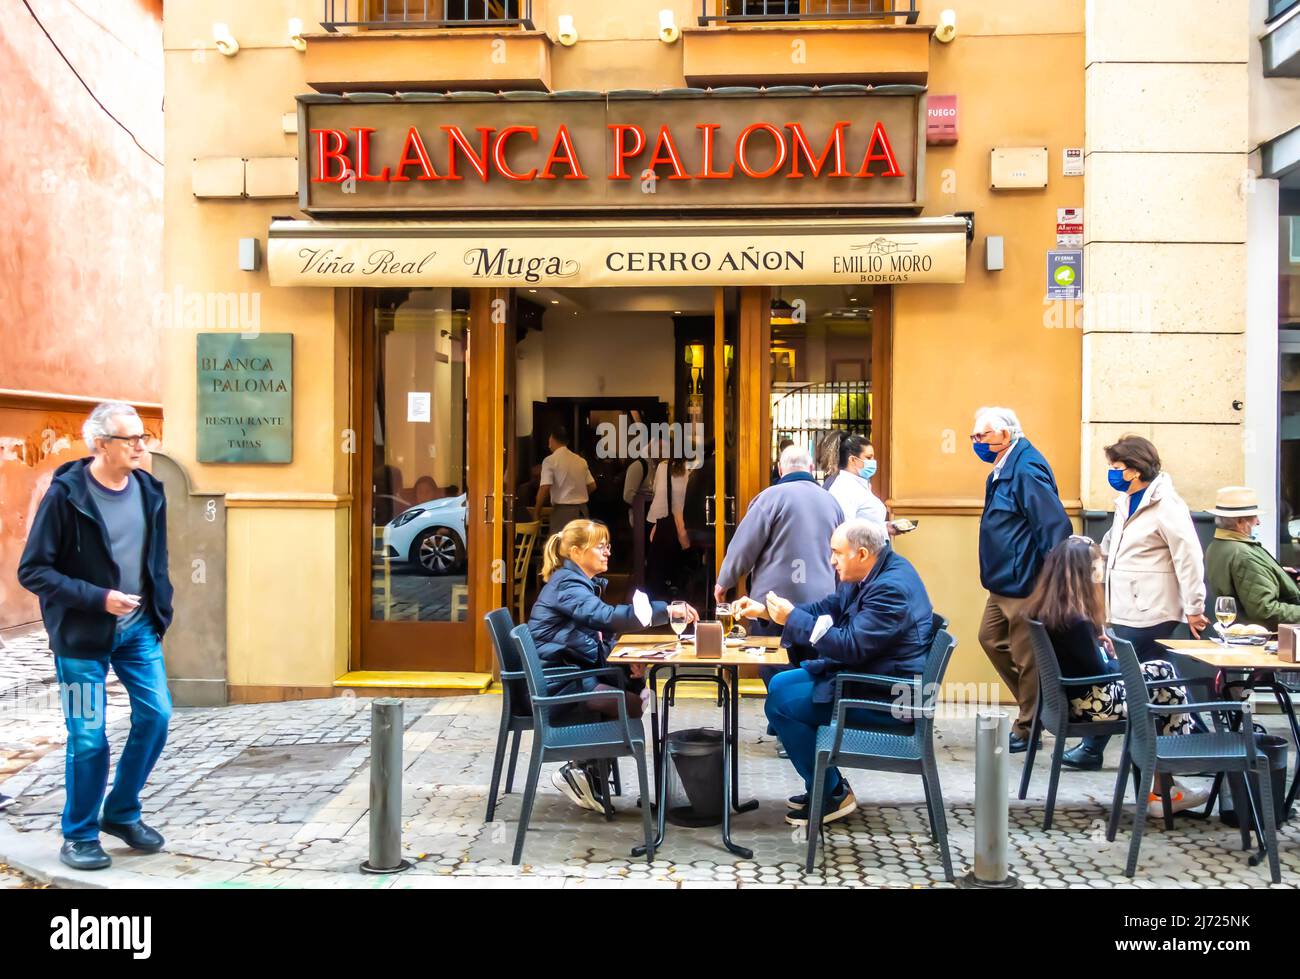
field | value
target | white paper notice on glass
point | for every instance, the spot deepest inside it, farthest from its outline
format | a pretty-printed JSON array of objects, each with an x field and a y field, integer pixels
[
  {"x": 820, "y": 628},
  {"x": 641, "y": 606},
  {"x": 418, "y": 406}
]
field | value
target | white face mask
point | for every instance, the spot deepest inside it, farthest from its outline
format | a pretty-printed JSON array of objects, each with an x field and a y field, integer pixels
[{"x": 1254, "y": 532}]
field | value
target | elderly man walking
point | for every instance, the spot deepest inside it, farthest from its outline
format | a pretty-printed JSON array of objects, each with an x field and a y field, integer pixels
[
  {"x": 878, "y": 620},
  {"x": 1022, "y": 521},
  {"x": 783, "y": 540},
  {"x": 96, "y": 556}
]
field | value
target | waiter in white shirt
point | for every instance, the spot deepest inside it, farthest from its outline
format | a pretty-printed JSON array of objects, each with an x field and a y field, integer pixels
[
  {"x": 566, "y": 483},
  {"x": 851, "y": 487}
]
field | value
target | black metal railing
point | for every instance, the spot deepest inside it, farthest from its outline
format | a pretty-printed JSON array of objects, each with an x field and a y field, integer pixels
[
  {"x": 378, "y": 15},
  {"x": 748, "y": 11},
  {"x": 807, "y": 413}
]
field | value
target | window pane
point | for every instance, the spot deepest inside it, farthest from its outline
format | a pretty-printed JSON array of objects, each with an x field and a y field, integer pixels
[{"x": 419, "y": 468}]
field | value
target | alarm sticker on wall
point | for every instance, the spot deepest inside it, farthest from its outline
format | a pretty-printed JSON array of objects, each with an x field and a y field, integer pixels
[
  {"x": 1072, "y": 161},
  {"x": 1069, "y": 227}
]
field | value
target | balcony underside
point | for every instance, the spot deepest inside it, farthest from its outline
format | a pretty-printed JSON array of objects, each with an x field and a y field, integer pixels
[{"x": 430, "y": 60}]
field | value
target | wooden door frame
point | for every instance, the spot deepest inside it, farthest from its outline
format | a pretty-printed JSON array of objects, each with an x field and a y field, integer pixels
[
  {"x": 882, "y": 389},
  {"x": 754, "y": 379},
  {"x": 484, "y": 518}
]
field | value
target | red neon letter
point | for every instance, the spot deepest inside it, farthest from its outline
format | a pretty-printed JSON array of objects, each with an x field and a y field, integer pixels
[
  {"x": 885, "y": 155},
  {"x": 415, "y": 155},
  {"x": 363, "y": 158},
  {"x": 499, "y": 152},
  {"x": 743, "y": 140},
  {"x": 708, "y": 173},
  {"x": 621, "y": 152},
  {"x": 562, "y": 152},
  {"x": 665, "y": 144},
  {"x": 815, "y": 164},
  {"x": 337, "y": 150},
  {"x": 479, "y": 161}
]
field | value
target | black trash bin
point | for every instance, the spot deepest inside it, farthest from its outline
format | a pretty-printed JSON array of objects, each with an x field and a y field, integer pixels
[
  {"x": 695, "y": 789},
  {"x": 1275, "y": 749}
]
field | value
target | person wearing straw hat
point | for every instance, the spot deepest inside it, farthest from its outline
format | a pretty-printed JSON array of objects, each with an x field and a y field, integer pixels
[{"x": 1239, "y": 567}]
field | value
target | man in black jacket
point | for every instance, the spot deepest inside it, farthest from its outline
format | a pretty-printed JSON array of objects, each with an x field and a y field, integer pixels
[{"x": 96, "y": 556}]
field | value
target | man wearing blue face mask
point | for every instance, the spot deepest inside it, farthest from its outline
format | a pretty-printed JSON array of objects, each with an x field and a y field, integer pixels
[{"x": 1023, "y": 520}]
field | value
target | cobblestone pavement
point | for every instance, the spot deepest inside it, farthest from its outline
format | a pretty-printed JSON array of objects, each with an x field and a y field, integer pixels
[{"x": 277, "y": 794}]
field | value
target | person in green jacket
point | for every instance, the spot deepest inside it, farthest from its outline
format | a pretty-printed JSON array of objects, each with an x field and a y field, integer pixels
[{"x": 1238, "y": 565}]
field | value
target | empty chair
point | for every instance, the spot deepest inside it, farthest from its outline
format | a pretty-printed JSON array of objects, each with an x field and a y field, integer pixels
[
  {"x": 599, "y": 740},
  {"x": 525, "y": 541},
  {"x": 1147, "y": 754},
  {"x": 1053, "y": 714},
  {"x": 894, "y": 749}
]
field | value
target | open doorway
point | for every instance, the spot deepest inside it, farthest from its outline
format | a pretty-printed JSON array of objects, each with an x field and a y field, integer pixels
[{"x": 628, "y": 377}]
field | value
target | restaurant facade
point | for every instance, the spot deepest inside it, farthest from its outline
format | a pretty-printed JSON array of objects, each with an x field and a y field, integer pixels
[{"x": 403, "y": 246}]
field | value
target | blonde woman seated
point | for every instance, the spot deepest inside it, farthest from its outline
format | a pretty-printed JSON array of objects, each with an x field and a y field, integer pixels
[
  {"x": 1069, "y": 601},
  {"x": 573, "y": 625}
]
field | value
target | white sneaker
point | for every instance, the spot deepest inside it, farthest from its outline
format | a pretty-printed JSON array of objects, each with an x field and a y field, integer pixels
[
  {"x": 1181, "y": 797},
  {"x": 573, "y": 786}
]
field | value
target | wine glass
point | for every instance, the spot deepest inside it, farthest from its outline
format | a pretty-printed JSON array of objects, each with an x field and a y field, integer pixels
[
  {"x": 677, "y": 619},
  {"x": 1225, "y": 610}
]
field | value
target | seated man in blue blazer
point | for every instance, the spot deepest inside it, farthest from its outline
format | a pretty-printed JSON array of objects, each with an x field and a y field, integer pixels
[{"x": 879, "y": 620}]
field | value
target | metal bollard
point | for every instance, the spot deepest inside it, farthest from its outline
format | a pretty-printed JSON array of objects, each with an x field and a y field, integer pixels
[
  {"x": 991, "y": 803},
  {"x": 386, "y": 788}
]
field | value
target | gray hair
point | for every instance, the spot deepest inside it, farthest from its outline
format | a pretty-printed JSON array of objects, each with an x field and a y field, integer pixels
[
  {"x": 794, "y": 458},
  {"x": 864, "y": 533},
  {"x": 1229, "y": 523},
  {"x": 96, "y": 426},
  {"x": 998, "y": 419}
]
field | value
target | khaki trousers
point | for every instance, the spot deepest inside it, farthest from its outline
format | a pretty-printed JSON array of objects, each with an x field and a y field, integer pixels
[{"x": 1005, "y": 638}]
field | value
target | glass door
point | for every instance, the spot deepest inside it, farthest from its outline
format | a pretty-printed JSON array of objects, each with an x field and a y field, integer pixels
[{"x": 416, "y": 536}]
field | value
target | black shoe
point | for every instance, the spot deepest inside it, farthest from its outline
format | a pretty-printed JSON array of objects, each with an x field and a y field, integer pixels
[
  {"x": 1083, "y": 757},
  {"x": 799, "y": 801},
  {"x": 84, "y": 855},
  {"x": 1020, "y": 745},
  {"x": 839, "y": 805},
  {"x": 136, "y": 835}
]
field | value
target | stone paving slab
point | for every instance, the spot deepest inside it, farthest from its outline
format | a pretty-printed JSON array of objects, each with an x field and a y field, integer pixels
[{"x": 277, "y": 795}]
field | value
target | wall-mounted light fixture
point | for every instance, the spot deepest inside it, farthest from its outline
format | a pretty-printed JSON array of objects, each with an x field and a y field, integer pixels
[
  {"x": 295, "y": 34},
  {"x": 946, "y": 29},
  {"x": 668, "y": 30},
  {"x": 225, "y": 41},
  {"x": 566, "y": 32}
]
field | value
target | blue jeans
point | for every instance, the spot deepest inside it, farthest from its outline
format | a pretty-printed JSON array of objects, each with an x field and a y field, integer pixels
[
  {"x": 790, "y": 709},
  {"x": 137, "y": 659}
]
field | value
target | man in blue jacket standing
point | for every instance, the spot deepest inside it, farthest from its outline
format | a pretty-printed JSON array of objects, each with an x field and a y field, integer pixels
[
  {"x": 878, "y": 620},
  {"x": 1022, "y": 521},
  {"x": 96, "y": 556}
]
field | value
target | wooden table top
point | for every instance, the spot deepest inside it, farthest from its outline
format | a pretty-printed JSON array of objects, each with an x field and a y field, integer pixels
[
  {"x": 636, "y": 648},
  {"x": 1231, "y": 658}
]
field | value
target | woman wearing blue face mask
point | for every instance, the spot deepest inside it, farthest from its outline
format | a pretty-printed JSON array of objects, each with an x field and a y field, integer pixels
[
  {"x": 851, "y": 487},
  {"x": 1155, "y": 571}
]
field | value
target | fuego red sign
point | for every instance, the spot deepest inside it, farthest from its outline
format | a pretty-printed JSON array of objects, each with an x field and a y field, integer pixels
[
  {"x": 941, "y": 120},
  {"x": 340, "y": 154}
]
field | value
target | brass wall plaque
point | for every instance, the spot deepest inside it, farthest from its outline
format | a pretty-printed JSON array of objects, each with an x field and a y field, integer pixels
[{"x": 245, "y": 397}]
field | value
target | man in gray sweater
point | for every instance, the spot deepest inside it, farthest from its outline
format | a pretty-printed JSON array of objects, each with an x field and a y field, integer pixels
[{"x": 784, "y": 541}]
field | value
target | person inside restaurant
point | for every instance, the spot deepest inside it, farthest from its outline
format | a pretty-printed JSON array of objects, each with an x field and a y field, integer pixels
[
  {"x": 573, "y": 625},
  {"x": 1155, "y": 573},
  {"x": 666, "y": 561},
  {"x": 1069, "y": 600},
  {"x": 566, "y": 483},
  {"x": 1239, "y": 566},
  {"x": 878, "y": 620},
  {"x": 856, "y": 461}
]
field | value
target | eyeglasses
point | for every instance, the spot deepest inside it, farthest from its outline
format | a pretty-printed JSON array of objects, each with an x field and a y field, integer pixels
[
  {"x": 135, "y": 441},
  {"x": 982, "y": 436},
  {"x": 606, "y": 547}
]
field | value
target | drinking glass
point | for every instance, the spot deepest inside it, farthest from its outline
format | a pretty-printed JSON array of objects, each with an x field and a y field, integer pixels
[
  {"x": 677, "y": 619},
  {"x": 727, "y": 616},
  {"x": 1225, "y": 610}
]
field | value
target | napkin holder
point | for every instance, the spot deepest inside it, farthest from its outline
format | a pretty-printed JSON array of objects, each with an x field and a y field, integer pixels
[
  {"x": 1288, "y": 643},
  {"x": 708, "y": 640}
]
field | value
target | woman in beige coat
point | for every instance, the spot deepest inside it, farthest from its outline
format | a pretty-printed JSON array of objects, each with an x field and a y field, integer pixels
[{"x": 1155, "y": 571}]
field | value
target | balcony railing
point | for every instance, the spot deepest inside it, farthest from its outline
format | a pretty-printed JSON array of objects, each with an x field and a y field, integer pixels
[
  {"x": 749, "y": 11},
  {"x": 379, "y": 15}
]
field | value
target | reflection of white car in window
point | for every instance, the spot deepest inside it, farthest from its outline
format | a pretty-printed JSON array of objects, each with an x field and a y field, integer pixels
[{"x": 430, "y": 536}]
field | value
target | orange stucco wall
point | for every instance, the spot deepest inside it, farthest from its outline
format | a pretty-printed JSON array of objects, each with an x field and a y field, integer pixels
[{"x": 80, "y": 260}]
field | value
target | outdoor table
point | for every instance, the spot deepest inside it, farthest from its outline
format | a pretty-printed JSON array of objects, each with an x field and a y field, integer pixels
[
  {"x": 684, "y": 666},
  {"x": 1251, "y": 662}
]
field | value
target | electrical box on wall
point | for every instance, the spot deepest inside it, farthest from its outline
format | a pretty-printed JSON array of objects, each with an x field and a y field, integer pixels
[{"x": 1018, "y": 168}]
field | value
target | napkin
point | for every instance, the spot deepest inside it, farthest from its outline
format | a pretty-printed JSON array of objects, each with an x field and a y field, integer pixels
[
  {"x": 820, "y": 628},
  {"x": 641, "y": 607}
]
